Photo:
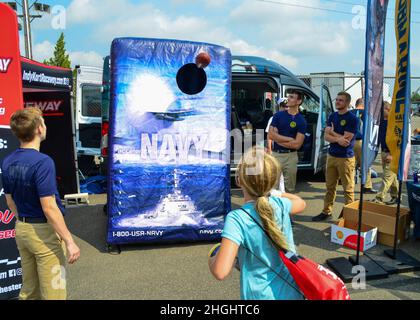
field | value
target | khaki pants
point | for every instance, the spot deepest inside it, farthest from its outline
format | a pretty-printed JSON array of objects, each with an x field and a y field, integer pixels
[
  {"x": 288, "y": 163},
  {"x": 358, "y": 155},
  {"x": 389, "y": 180},
  {"x": 43, "y": 261},
  {"x": 343, "y": 169}
]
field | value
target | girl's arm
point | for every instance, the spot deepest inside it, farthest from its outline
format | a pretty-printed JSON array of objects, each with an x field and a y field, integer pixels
[
  {"x": 222, "y": 263},
  {"x": 298, "y": 204}
]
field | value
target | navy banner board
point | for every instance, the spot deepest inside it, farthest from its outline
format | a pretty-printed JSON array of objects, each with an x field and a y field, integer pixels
[
  {"x": 59, "y": 145},
  {"x": 374, "y": 79},
  {"x": 169, "y": 141}
]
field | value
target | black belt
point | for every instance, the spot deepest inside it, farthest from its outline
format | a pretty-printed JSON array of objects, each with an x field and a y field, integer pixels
[
  {"x": 33, "y": 220},
  {"x": 284, "y": 151}
]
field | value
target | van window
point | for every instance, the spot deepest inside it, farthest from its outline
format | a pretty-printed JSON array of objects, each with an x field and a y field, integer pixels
[
  {"x": 328, "y": 108},
  {"x": 310, "y": 104},
  {"x": 253, "y": 102},
  {"x": 91, "y": 100}
]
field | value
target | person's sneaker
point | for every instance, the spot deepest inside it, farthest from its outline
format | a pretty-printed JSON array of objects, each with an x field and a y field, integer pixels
[
  {"x": 378, "y": 201},
  {"x": 321, "y": 217},
  {"x": 369, "y": 191},
  {"x": 393, "y": 200}
]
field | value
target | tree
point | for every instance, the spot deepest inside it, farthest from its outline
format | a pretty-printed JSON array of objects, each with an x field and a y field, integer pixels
[
  {"x": 415, "y": 97},
  {"x": 60, "y": 58}
]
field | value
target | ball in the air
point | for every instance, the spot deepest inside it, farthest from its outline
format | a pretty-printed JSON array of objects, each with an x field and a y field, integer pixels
[{"x": 202, "y": 60}]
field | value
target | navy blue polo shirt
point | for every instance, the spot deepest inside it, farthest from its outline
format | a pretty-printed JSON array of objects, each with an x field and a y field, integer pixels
[
  {"x": 359, "y": 115},
  {"x": 289, "y": 126},
  {"x": 382, "y": 135},
  {"x": 28, "y": 175},
  {"x": 341, "y": 123}
]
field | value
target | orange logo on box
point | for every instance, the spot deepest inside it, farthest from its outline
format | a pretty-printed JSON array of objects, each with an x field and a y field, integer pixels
[{"x": 340, "y": 235}]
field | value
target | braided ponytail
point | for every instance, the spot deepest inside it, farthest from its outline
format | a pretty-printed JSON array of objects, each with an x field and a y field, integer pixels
[
  {"x": 266, "y": 214},
  {"x": 258, "y": 173}
]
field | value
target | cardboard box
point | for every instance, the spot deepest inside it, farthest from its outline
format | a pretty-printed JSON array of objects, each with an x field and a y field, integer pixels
[
  {"x": 383, "y": 217},
  {"x": 344, "y": 233}
]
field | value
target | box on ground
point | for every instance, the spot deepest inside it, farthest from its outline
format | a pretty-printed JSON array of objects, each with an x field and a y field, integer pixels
[
  {"x": 383, "y": 217},
  {"x": 344, "y": 233}
]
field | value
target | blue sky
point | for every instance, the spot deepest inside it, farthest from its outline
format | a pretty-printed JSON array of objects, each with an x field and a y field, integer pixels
[{"x": 302, "y": 39}]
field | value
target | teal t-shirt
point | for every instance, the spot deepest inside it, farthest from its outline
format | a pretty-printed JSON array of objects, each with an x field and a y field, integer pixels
[{"x": 258, "y": 281}]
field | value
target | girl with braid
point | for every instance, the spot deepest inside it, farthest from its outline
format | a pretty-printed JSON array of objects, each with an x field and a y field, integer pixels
[{"x": 263, "y": 274}]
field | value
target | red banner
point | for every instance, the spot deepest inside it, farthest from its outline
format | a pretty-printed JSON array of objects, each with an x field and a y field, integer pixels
[{"x": 11, "y": 97}]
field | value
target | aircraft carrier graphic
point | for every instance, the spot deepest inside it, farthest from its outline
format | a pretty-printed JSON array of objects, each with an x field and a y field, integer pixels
[{"x": 173, "y": 209}]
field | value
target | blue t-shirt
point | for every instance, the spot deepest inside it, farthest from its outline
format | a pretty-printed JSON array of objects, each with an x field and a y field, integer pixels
[
  {"x": 289, "y": 126},
  {"x": 382, "y": 135},
  {"x": 341, "y": 123},
  {"x": 258, "y": 281},
  {"x": 27, "y": 176},
  {"x": 359, "y": 115}
]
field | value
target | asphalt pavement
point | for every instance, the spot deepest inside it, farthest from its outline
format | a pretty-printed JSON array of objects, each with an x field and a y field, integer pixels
[{"x": 180, "y": 272}]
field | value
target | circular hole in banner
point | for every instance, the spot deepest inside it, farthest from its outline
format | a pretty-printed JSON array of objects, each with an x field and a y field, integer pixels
[{"x": 191, "y": 79}]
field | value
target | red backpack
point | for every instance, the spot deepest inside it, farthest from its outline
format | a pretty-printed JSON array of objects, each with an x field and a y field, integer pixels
[{"x": 314, "y": 281}]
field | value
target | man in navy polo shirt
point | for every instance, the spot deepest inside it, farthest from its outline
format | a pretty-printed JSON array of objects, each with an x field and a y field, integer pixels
[
  {"x": 287, "y": 130},
  {"x": 30, "y": 186},
  {"x": 340, "y": 132}
]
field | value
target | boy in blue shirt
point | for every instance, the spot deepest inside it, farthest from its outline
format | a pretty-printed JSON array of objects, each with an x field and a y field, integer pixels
[
  {"x": 340, "y": 133},
  {"x": 29, "y": 183},
  {"x": 288, "y": 130}
]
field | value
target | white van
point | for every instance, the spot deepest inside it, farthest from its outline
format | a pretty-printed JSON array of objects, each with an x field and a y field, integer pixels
[
  {"x": 254, "y": 79},
  {"x": 88, "y": 105}
]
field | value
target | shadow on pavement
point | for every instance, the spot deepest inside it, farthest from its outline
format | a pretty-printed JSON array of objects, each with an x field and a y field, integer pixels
[{"x": 89, "y": 223}]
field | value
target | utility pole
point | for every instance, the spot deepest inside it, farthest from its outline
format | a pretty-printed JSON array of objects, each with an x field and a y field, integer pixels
[
  {"x": 27, "y": 29},
  {"x": 27, "y": 19}
]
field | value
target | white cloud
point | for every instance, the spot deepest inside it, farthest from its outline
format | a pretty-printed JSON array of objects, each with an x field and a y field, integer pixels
[
  {"x": 42, "y": 51},
  {"x": 390, "y": 65},
  {"x": 85, "y": 11},
  {"x": 156, "y": 24},
  {"x": 294, "y": 30},
  {"x": 240, "y": 47},
  {"x": 415, "y": 58},
  {"x": 282, "y": 33},
  {"x": 216, "y": 3},
  {"x": 267, "y": 12},
  {"x": 45, "y": 50},
  {"x": 207, "y": 3},
  {"x": 90, "y": 58}
]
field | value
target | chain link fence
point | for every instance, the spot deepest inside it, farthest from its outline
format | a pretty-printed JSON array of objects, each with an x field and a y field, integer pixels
[{"x": 355, "y": 85}]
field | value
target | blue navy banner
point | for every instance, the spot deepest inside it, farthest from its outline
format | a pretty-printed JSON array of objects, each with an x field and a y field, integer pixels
[
  {"x": 169, "y": 145},
  {"x": 374, "y": 72}
]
